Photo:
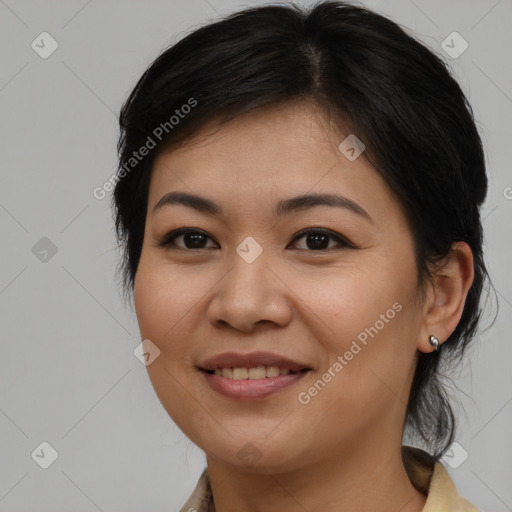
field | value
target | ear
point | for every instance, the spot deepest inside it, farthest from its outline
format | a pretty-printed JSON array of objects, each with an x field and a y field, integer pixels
[{"x": 446, "y": 295}]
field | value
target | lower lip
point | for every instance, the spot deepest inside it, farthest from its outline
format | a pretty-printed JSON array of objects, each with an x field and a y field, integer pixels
[{"x": 251, "y": 389}]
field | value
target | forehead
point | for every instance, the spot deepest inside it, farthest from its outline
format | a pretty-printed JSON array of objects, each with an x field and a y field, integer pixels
[{"x": 270, "y": 154}]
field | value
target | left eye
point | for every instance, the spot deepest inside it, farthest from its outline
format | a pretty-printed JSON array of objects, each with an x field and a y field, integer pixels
[{"x": 318, "y": 239}]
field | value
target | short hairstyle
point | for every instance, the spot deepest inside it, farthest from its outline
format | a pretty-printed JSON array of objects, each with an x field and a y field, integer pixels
[{"x": 377, "y": 82}]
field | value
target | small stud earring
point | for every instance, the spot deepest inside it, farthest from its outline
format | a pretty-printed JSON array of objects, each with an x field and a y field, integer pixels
[{"x": 434, "y": 342}]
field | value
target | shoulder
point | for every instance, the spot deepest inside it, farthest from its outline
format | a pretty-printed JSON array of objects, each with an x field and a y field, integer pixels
[
  {"x": 443, "y": 494},
  {"x": 432, "y": 479}
]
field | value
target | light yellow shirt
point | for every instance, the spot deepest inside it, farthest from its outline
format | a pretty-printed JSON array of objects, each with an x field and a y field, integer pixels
[{"x": 428, "y": 476}]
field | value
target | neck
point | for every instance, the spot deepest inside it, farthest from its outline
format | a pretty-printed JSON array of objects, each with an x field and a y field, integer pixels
[{"x": 370, "y": 478}]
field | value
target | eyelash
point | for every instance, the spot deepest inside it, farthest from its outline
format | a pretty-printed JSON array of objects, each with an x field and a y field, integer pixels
[{"x": 168, "y": 240}]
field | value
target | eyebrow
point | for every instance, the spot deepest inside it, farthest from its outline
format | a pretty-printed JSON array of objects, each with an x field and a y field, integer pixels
[{"x": 284, "y": 207}]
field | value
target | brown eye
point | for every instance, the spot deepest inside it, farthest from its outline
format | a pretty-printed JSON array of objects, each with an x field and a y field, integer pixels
[
  {"x": 191, "y": 239},
  {"x": 318, "y": 239}
]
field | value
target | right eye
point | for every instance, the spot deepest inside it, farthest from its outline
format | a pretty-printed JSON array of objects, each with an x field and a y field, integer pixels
[{"x": 192, "y": 239}]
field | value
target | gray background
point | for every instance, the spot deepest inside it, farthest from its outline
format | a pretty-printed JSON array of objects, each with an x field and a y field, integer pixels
[{"x": 69, "y": 376}]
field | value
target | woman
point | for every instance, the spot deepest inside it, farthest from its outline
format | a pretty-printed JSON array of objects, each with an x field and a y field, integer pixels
[{"x": 298, "y": 201}]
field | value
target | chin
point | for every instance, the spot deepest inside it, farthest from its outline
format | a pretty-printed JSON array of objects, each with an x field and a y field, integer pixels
[{"x": 253, "y": 454}]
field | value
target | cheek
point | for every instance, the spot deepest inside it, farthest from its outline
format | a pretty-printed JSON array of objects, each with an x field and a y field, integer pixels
[
  {"x": 345, "y": 305},
  {"x": 164, "y": 303},
  {"x": 162, "y": 298},
  {"x": 366, "y": 317}
]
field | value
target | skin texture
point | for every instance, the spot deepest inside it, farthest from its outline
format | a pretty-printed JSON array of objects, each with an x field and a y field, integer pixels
[{"x": 340, "y": 451}]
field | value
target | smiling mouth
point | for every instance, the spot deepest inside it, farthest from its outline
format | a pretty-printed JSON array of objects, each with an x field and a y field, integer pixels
[{"x": 254, "y": 383}]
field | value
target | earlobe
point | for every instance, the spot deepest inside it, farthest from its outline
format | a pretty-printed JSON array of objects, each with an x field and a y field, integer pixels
[{"x": 443, "y": 308}]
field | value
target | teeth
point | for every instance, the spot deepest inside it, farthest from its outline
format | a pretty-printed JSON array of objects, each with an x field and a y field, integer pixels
[
  {"x": 226, "y": 372},
  {"x": 240, "y": 373},
  {"x": 257, "y": 372},
  {"x": 272, "y": 371}
]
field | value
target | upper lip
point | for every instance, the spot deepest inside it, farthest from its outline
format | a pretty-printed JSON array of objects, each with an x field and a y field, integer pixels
[{"x": 251, "y": 360}]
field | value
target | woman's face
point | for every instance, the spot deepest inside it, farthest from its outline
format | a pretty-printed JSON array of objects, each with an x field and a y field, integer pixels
[{"x": 342, "y": 301}]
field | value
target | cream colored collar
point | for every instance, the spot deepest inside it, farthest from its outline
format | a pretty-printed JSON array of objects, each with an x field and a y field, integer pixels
[{"x": 426, "y": 475}]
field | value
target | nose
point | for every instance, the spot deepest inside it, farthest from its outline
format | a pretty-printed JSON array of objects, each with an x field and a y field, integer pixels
[{"x": 250, "y": 294}]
